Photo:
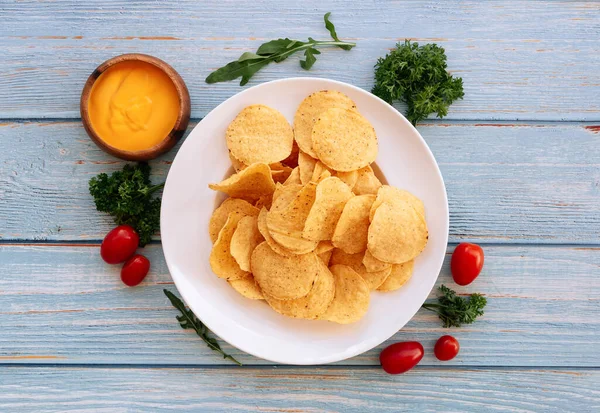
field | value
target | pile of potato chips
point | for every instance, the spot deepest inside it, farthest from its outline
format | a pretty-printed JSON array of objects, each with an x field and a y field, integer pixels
[{"x": 308, "y": 227}]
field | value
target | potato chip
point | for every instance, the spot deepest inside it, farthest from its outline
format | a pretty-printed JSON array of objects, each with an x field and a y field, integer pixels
[
  {"x": 220, "y": 215},
  {"x": 319, "y": 171},
  {"x": 308, "y": 111},
  {"x": 351, "y": 299},
  {"x": 284, "y": 278},
  {"x": 349, "y": 178},
  {"x": 294, "y": 177},
  {"x": 325, "y": 257},
  {"x": 344, "y": 140},
  {"x": 292, "y": 160},
  {"x": 247, "y": 287},
  {"x": 314, "y": 304},
  {"x": 280, "y": 172},
  {"x": 330, "y": 198},
  {"x": 323, "y": 246},
  {"x": 355, "y": 261},
  {"x": 262, "y": 227},
  {"x": 249, "y": 184},
  {"x": 400, "y": 274},
  {"x": 237, "y": 164},
  {"x": 372, "y": 264},
  {"x": 352, "y": 228},
  {"x": 245, "y": 238},
  {"x": 264, "y": 201},
  {"x": 306, "y": 165},
  {"x": 366, "y": 182},
  {"x": 259, "y": 134},
  {"x": 398, "y": 233},
  {"x": 393, "y": 194},
  {"x": 221, "y": 261}
]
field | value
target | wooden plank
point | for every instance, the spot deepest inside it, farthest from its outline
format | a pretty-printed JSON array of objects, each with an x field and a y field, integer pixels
[
  {"x": 543, "y": 68},
  {"x": 506, "y": 183},
  {"x": 62, "y": 304},
  {"x": 42, "y": 389}
]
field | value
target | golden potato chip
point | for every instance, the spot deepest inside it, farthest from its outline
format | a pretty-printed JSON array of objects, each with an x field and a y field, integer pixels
[
  {"x": 219, "y": 217},
  {"x": 221, "y": 261},
  {"x": 237, "y": 164},
  {"x": 308, "y": 111},
  {"x": 398, "y": 233},
  {"x": 366, "y": 182},
  {"x": 264, "y": 201},
  {"x": 325, "y": 257},
  {"x": 400, "y": 274},
  {"x": 330, "y": 197},
  {"x": 249, "y": 184},
  {"x": 306, "y": 165},
  {"x": 351, "y": 299},
  {"x": 245, "y": 238},
  {"x": 372, "y": 264},
  {"x": 284, "y": 278},
  {"x": 355, "y": 261},
  {"x": 264, "y": 230},
  {"x": 344, "y": 140},
  {"x": 320, "y": 171},
  {"x": 259, "y": 134},
  {"x": 247, "y": 287},
  {"x": 349, "y": 178},
  {"x": 314, "y": 304},
  {"x": 393, "y": 194},
  {"x": 280, "y": 172},
  {"x": 352, "y": 228},
  {"x": 323, "y": 246},
  {"x": 292, "y": 160},
  {"x": 294, "y": 177}
]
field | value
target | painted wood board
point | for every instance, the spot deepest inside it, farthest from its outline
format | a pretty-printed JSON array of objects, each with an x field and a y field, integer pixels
[
  {"x": 62, "y": 304},
  {"x": 506, "y": 183},
  {"x": 512, "y": 69},
  {"x": 69, "y": 389}
]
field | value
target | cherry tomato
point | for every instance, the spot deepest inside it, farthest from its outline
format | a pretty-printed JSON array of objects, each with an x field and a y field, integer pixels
[
  {"x": 135, "y": 270},
  {"x": 401, "y": 357},
  {"x": 119, "y": 244},
  {"x": 467, "y": 262},
  {"x": 446, "y": 348}
]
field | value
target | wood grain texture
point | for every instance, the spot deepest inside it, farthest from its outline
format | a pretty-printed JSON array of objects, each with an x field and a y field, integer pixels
[
  {"x": 506, "y": 183},
  {"x": 62, "y": 304},
  {"x": 285, "y": 390},
  {"x": 518, "y": 59}
]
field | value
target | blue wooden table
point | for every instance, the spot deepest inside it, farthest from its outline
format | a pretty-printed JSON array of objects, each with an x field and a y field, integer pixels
[{"x": 520, "y": 156}]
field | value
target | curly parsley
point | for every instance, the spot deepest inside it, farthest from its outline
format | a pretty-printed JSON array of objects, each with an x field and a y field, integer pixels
[
  {"x": 454, "y": 310},
  {"x": 417, "y": 76}
]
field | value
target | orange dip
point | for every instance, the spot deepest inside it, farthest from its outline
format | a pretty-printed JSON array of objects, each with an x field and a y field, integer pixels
[{"x": 133, "y": 105}]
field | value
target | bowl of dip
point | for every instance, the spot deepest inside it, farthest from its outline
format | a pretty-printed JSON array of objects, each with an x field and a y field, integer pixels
[{"x": 135, "y": 107}]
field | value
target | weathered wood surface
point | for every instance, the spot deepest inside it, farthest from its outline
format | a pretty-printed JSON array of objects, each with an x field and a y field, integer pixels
[
  {"x": 62, "y": 304},
  {"x": 69, "y": 389},
  {"x": 506, "y": 183},
  {"x": 527, "y": 60}
]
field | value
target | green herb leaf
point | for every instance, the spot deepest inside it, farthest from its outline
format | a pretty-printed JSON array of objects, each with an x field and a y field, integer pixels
[
  {"x": 329, "y": 26},
  {"x": 454, "y": 310},
  {"x": 127, "y": 196},
  {"x": 276, "y": 51},
  {"x": 187, "y": 320},
  {"x": 417, "y": 75}
]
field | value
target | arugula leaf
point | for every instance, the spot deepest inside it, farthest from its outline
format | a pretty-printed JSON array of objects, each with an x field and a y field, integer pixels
[
  {"x": 454, "y": 310},
  {"x": 276, "y": 51},
  {"x": 187, "y": 320},
  {"x": 417, "y": 76}
]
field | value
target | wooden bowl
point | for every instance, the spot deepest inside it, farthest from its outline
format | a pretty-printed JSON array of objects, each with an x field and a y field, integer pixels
[{"x": 170, "y": 140}]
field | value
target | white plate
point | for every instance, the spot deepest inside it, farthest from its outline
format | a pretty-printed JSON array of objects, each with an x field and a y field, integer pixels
[{"x": 252, "y": 326}]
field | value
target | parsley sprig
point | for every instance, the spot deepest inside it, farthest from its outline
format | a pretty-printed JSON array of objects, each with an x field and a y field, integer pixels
[
  {"x": 276, "y": 51},
  {"x": 187, "y": 320},
  {"x": 454, "y": 310},
  {"x": 417, "y": 76}
]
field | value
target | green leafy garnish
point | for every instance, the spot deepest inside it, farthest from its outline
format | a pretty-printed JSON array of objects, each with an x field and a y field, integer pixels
[
  {"x": 276, "y": 51},
  {"x": 417, "y": 76},
  {"x": 454, "y": 310},
  {"x": 127, "y": 196},
  {"x": 187, "y": 320}
]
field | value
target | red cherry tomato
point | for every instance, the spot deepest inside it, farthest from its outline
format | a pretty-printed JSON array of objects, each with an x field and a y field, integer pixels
[
  {"x": 446, "y": 348},
  {"x": 119, "y": 244},
  {"x": 467, "y": 262},
  {"x": 401, "y": 357},
  {"x": 135, "y": 270}
]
